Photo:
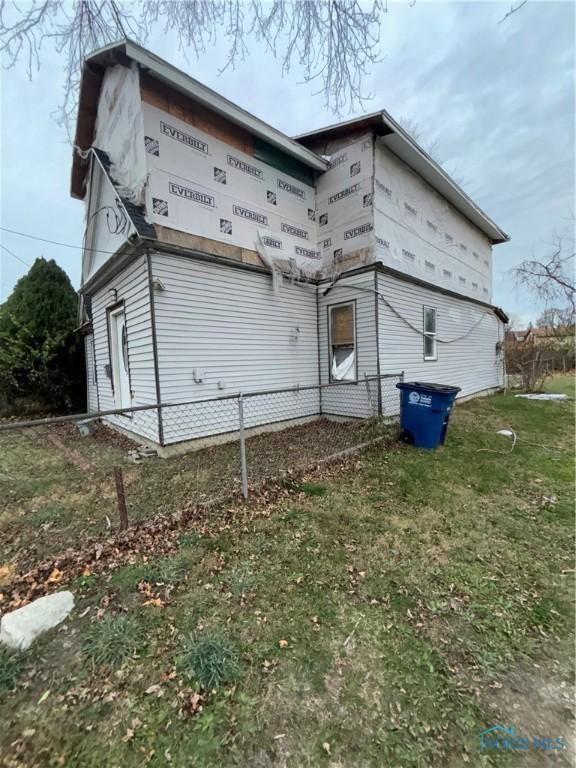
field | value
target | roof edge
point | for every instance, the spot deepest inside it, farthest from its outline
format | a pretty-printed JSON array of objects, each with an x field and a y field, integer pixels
[
  {"x": 127, "y": 50},
  {"x": 389, "y": 127}
]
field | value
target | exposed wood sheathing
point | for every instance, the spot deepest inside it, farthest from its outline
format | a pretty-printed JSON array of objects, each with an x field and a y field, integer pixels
[
  {"x": 158, "y": 95},
  {"x": 206, "y": 245}
]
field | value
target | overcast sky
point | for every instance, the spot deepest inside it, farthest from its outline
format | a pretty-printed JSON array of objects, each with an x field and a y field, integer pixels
[{"x": 498, "y": 98}]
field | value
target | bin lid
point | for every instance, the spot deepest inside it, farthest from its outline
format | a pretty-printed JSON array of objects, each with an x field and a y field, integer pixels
[{"x": 443, "y": 389}]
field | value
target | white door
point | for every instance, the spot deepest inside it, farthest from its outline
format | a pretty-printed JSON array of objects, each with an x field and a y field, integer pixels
[{"x": 119, "y": 351}]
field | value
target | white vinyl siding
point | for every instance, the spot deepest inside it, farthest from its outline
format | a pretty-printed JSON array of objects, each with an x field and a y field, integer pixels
[
  {"x": 131, "y": 286},
  {"x": 237, "y": 334},
  {"x": 470, "y": 362}
]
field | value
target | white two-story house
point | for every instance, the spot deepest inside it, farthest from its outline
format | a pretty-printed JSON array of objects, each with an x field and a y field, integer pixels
[{"x": 222, "y": 256}]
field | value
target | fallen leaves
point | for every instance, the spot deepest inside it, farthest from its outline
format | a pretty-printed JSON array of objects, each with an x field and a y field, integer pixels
[
  {"x": 6, "y": 574},
  {"x": 192, "y": 705},
  {"x": 160, "y": 535},
  {"x": 55, "y": 577},
  {"x": 155, "y": 690}
]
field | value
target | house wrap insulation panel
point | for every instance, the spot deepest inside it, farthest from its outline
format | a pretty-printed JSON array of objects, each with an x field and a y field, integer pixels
[
  {"x": 344, "y": 197},
  {"x": 119, "y": 130},
  {"x": 201, "y": 185},
  {"x": 418, "y": 232}
]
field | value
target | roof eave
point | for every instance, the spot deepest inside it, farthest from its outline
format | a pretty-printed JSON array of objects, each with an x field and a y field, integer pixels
[
  {"x": 92, "y": 74},
  {"x": 385, "y": 126}
]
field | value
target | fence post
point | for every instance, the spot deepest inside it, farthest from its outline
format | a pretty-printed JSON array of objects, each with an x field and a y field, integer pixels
[
  {"x": 121, "y": 497},
  {"x": 243, "y": 468},
  {"x": 401, "y": 375}
]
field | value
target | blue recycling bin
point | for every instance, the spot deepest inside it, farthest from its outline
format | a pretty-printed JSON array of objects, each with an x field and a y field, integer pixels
[{"x": 425, "y": 411}]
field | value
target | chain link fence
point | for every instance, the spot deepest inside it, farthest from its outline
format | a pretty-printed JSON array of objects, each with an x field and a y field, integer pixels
[{"x": 66, "y": 479}]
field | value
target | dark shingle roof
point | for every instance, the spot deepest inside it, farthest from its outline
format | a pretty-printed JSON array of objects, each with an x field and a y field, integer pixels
[{"x": 136, "y": 213}]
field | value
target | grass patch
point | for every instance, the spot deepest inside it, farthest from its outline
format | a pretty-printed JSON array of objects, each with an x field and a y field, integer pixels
[
  {"x": 210, "y": 660},
  {"x": 313, "y": 489},
  {"x": 114, "y": 640},
  {"x": 10, "y": 669}
]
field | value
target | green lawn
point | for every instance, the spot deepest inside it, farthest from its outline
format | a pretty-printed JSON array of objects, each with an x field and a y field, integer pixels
[{"x": 379, "y": 615}]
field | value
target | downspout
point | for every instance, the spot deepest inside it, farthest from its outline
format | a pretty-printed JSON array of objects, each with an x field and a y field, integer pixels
[
  {"x": 318, "y": 349},
  {"x": 377, "y": 322},
  {"x": 376, "y": 297}
]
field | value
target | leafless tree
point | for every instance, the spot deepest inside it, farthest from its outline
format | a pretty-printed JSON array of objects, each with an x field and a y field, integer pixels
[
  {"x": 552, "y": 278},
  {"x": 556, "y": 319},
  {"x": 430, "y": 146},
  {"x": 335, "y": 42}
]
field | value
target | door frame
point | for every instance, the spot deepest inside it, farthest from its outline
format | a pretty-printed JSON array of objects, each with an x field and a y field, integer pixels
[{"x": 112, "y": 310}]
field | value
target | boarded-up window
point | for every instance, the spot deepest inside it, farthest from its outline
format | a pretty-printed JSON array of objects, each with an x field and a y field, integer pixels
[{"x": 342, "y": 342}]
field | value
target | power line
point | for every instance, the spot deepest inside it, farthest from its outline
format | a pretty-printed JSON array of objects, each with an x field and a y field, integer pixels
[
  {"x": 14, "y": 255},
  {"x": 53, "y": 242}
]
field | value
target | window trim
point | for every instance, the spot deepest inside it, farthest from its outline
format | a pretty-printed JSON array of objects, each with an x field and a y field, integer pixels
[
  {"x": 350, "y": 302},
  {"x": 429, "y": 334},
  {"x": 92, "y": 349}
]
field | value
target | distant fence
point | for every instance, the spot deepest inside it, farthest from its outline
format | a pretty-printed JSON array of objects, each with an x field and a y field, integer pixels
[{"x": 335, "y": 414}]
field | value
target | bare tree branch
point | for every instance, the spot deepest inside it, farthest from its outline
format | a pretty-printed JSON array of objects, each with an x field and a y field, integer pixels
[
  {"x": 513, "y": 9},
  {"x": 552, "y": 279},
  {"x": 335, "y": 42}
]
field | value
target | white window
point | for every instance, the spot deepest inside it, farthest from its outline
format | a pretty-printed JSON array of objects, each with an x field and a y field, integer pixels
[
  {"x": 463, "y": 248},
  {"x": 449, "y": 238},
  {"x": 430, "y": 352},
  {"x": 432, "y": 226},
  {"x": 447, "y": 274},
  {"x": 474, "y": 286},
  {"x": 476, "y": 255},
  {"x": 408, "y": 255},
  {"x": 462, "y": 280},
  {"x": 430, "y": 266},
  {"x": 486, "y": 263},
  {"x": 342, "y": 322}
]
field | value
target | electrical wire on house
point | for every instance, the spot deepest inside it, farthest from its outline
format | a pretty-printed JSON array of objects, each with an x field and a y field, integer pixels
[
  {"x": 405, "y": 320},
  {"x": 11, "y": 253},
  {"x": 54, "y": 242}
]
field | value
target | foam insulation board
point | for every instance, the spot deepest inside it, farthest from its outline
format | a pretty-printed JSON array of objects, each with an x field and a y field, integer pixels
[
  {"x": 201, "y": 185},
  {"x": 120, "y": 132}
]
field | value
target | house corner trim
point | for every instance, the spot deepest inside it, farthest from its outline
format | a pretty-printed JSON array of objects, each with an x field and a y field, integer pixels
[{"x": 155, "y": 347}]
